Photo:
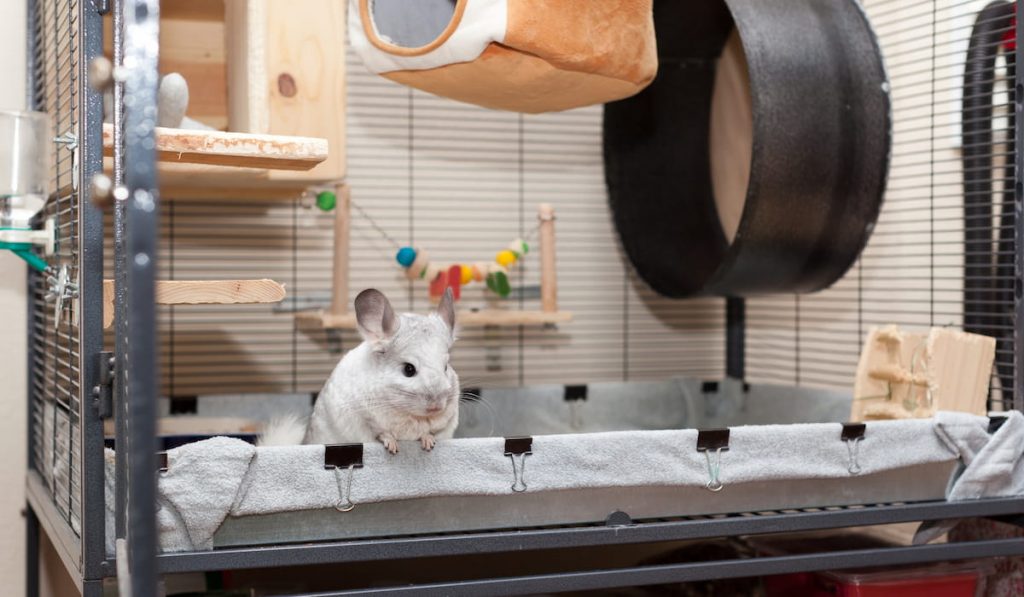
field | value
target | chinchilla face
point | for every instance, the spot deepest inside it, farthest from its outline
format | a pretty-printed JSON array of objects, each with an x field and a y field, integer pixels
[{"x": 410, "y": 355}]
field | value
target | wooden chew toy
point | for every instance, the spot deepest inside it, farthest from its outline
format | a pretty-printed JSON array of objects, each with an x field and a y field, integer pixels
[
  {"x": 202, "y": 292},
  {"x": 913, "y": 375}
]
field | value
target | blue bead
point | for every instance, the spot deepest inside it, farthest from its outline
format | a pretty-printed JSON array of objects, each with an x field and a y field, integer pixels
[{"x": 405, "y": 256}]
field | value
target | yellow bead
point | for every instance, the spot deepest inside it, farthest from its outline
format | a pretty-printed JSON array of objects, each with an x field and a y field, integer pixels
[
  {"x": 467, "y": 274},
  {"x": 506, "y": 258}
]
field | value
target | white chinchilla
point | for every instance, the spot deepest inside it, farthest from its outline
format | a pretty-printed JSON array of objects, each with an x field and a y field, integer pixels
[{"x": 396, "y": 385}]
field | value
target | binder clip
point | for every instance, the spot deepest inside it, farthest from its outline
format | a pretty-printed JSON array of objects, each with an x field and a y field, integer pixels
[
  {"x": 717, "y": 441},
  {"x": 339, "y": 457}
]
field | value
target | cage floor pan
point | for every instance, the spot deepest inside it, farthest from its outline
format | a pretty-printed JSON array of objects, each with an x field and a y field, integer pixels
[
  {"x": 581, "y": 506},
  {"x": 640, "y": 448}
]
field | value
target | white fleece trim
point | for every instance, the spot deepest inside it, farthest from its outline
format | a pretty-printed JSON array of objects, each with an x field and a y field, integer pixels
[{"x": 483, "y": 22}]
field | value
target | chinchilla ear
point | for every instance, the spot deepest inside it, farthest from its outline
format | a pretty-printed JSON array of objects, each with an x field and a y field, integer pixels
[
  {"x": 376, "y": 318},
  {"x": 447, "y": 309}
]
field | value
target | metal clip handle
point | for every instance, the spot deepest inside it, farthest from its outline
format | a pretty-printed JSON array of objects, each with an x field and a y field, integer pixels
[
  {"x": 717, "y": 441},
  {"x": 518, "y": 448},
  {"x": 340, "y": 457},
  {"x": 345, "y": 503},
  {"x": 852, "y": 435}
]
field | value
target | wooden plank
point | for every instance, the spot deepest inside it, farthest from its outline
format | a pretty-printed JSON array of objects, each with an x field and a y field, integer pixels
[
  {"x": 481, "y": 318},
  {"x": 193, "y": 10},
  {"x": 194, "y": 48},
  {"x": 203, "y": 292},
  {"x": 205, "y": 182},
  {"x": 339, "y": 281},
  {"x": 233, "y": 149},
  {"x": 245, "y": 34},
  {"x": 193, "y": 425},
  {"x": 305, "y": 75}
]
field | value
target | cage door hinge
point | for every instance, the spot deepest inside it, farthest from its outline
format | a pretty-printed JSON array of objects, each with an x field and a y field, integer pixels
[
  {"x": 103, "y": 392},
  {"x": 102, "y": 6}
]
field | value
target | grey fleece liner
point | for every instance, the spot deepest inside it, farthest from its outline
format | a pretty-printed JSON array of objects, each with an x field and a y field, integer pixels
[{"x": 265, "y": 491}]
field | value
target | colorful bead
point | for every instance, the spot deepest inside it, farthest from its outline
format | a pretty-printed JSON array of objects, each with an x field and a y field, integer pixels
[
  {"x": 326, "y": 200},
  {"x": 479, "y": 272},
  {"x": 506, "y": 258},
  {"x": 454, "y": 277},
  {"x": 437, "y": 284},
  {"x": 519, "y": 247},
  {"x": 465, "y": 274},
  {"x": 406, "y": 256},
  {"x": 498, "y": 283},
  {"x": 418, "y": 267}
]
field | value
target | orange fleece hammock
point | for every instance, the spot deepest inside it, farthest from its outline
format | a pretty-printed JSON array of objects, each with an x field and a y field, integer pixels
[{"x": 520, "y": 55}]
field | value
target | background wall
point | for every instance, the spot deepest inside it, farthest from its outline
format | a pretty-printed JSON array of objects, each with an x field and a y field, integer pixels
[{"x": 12, "y": 332}]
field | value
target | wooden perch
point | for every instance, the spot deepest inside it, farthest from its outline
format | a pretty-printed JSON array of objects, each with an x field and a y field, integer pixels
[
  {"x": 244, "y": 150},
  {"x": 202, "y": 292}
]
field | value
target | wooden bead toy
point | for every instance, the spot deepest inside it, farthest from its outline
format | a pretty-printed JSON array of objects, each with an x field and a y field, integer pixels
[
  {"x": 406, "y": 256},
  {"x": 506, "y": 258},
  {"x": 417, "y": 265}
]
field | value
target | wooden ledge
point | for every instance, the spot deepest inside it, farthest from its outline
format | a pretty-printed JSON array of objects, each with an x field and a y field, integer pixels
[{"x": 202, "y": 292}]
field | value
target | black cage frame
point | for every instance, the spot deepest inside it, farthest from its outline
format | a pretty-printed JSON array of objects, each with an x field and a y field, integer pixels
[{"x": 136, "y": 385}]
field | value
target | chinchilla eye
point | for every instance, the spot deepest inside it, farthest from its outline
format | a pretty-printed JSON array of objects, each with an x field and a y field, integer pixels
[{"x": 409, "y": 369}]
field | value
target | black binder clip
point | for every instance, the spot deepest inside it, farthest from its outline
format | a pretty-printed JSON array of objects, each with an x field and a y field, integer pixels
[
  {"x": 518, "y": 448},
  {"x": 717, "y": 441}
]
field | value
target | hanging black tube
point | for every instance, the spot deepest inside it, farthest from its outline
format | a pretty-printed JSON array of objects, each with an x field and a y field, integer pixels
[{"x": 988, "y": 301}]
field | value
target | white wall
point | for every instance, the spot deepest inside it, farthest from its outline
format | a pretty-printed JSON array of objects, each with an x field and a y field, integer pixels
[{"x": 12, "y": 332}]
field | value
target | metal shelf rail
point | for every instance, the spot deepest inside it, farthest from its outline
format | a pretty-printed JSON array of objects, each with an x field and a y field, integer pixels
[{"x": 69, "y": 508}]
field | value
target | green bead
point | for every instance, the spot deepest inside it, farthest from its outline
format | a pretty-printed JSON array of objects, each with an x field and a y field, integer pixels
[
  {"x": 498, "y": 284},
  {"x": 326, "y": 200}
]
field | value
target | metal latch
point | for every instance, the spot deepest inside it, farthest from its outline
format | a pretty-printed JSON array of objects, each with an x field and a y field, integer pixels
[{"x": 103, "y": 392}]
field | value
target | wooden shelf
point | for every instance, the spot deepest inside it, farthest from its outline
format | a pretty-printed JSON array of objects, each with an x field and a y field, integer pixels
[
  {"x": 236, "y": 150},
  {"x": 202, "y": 292},
  {"x": 464, "y": 318}
]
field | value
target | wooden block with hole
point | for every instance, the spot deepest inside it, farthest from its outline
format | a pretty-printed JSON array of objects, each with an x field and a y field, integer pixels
[
  {"x": 905, "y": 374},
  {"x": 286, "y": 73},
  {"x": 260, "y": 67}
]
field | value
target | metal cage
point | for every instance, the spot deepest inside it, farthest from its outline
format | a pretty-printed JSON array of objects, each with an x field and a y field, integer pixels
[{"x": 69, "y": 370}]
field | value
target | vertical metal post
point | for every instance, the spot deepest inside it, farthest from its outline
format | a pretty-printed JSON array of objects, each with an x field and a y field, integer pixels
[
  {"x": 120, "y": 289},
  {"x": 141, "y": 234},
  {"x": 735, "y": 337},
  {"x": 1018, "y": 222},
  {"x": 90, "y": 271},
  {"x": 31, "y": 522},
  {"x": 31, "y": 553}
]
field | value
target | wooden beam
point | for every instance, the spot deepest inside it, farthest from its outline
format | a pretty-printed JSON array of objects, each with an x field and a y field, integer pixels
[
  {"x": 232, "y": 149},
  {"x": 192, "y": 10},
  {"x": 202, "y": 292},
  {"x": 548, "y": 276},
  {"x": 464, "y": 318},
  {"x": 339, "y": 286}
]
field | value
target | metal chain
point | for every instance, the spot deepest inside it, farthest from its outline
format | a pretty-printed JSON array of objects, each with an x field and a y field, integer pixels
[{"x": 373, "y": 223}]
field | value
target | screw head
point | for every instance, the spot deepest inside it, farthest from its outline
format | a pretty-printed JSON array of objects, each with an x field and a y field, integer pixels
[
  {"x": 101, "y": 73},
  {"x": 101, "y": 190}
]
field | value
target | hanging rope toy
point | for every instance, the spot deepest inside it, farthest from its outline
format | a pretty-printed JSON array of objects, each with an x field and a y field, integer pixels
[{"x": 417, "y": 265}]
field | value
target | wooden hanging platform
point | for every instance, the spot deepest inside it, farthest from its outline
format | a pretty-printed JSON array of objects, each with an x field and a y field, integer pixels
[
  {"x": 203, "y": 292},
  {"x": 464, "y": 318}
]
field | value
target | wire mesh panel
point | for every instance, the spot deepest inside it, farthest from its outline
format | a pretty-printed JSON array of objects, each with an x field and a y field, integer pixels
[
  {"x": 942, "y": 251},
  {"x": 460, "y": 182},
  {"x": 56, "y": 390}
]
